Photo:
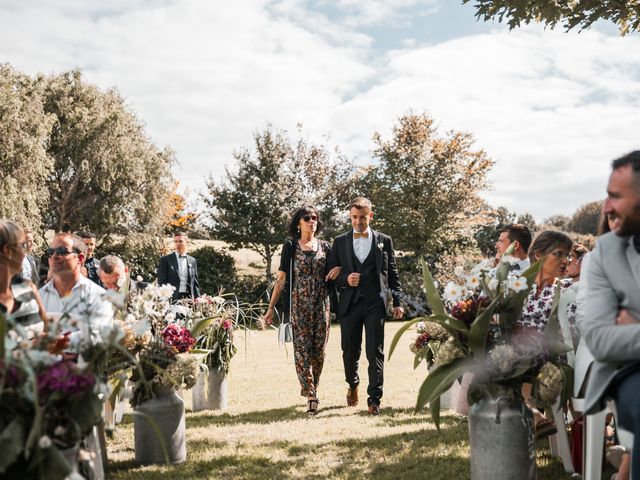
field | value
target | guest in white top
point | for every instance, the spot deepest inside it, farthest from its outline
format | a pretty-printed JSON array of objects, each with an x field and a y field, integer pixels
[{"x": 69, "y": 292}]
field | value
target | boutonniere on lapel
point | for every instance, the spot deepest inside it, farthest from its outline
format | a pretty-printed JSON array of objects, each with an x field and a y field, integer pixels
[{"x": 381, "y": 246}]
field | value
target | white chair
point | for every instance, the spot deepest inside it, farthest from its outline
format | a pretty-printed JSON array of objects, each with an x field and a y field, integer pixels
[{"x": 624, "y": 436}]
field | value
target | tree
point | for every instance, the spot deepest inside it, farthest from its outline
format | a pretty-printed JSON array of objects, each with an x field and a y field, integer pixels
[
  {"x": 527, "y": 219},
  {"x": 250, "y": 207},
  {"x": 561, "y": 222},
  {"x": 570, "y": 14},
  {"x": 108, "y": 177},
  {"x": 425, "y": 187},
  {"x": 24, "y": 162},
  {"x": 586, "y": 218},
  {"x": 179, "y": 219}
]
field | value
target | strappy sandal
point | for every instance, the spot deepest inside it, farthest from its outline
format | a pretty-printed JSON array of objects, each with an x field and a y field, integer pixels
[{"x": 313, "y": 406}]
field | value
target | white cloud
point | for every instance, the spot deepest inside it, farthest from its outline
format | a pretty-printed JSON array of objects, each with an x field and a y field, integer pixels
[{"x": 553, "y": 109}]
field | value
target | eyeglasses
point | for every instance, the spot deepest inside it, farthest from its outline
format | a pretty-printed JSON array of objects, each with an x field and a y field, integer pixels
[
  {"x": 562, "y": 255},
  {"x": 308, "y": 218},
  {"x": 22, "y": 245},
  {"x": 60, "y": 251}
]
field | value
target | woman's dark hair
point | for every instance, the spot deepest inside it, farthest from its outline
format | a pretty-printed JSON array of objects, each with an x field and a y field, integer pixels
[
  {"x": 546, "y": 241},
  {"x": 298, "y": 214}
]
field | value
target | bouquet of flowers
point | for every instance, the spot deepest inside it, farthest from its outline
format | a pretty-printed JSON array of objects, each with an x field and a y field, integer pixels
[
  {"x": 213, "y": 320},
  {"x": 480, "y": 317},
  {"x": 426, "y": 345}
]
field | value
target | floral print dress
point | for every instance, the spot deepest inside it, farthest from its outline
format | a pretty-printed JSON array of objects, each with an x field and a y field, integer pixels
[
  {"x": 537, "y": 307},
  {"x": 310, "y": 316}
]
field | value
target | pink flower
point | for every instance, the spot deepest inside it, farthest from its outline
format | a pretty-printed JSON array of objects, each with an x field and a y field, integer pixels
[
  {"x": 65, "y": 377},
  {"x": 227, "y": 325},
  {"x": 178, "y": 337}
]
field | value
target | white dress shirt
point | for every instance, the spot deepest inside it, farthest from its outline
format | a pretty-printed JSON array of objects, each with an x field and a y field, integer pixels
[
  {"x": 183, "y": 272},
  {"x": 27, "y": 270},
  {"x": 362, "y": 246},
  {"x": 85, "y": 301}
]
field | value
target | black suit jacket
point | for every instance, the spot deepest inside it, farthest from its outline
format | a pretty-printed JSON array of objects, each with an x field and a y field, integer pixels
[
  {"x": 342, "y": 255},
  {"x": 168, "y": 274}
]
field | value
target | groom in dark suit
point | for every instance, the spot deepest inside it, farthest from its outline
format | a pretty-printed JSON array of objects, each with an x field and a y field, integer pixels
[
  {"x": 369, "y": 275},
  {"x": 180, "y": 270}
]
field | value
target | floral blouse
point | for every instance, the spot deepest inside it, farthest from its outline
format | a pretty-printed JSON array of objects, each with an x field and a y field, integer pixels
[{"x": 537, "y": 307}]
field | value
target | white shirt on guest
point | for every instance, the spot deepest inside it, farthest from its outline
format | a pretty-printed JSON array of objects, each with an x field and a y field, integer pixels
[
  {"x": 362, "y": 246},
  {"x": 86, "y": 296},
  {"x": 183, "y": 272},
  {"x": 27, "y": 270}
]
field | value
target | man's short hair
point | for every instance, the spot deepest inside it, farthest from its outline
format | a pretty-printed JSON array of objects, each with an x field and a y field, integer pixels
[
  {"x": 180, "y": 234},
  {"x": 360, "y": 203},
  {"x": 632, "y": 159},
  {"x": 78, "y": 245},
  {"x": 85, "y": 234},
  {"x": 109, "y": 263},
  {"x": 520, "y": 233}
]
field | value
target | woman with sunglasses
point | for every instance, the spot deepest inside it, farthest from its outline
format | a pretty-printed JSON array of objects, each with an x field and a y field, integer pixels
[
  {"x": 19, "y": 297},
  {"x": 303, "y": 278}
]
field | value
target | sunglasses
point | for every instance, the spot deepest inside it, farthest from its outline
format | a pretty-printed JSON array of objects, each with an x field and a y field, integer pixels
[
  {"x": 60, "y": 251},
  {"x": 308, "y": 218}
]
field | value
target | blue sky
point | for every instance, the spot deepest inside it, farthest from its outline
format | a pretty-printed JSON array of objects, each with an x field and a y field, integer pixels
[{"x": 551, "y": 108}]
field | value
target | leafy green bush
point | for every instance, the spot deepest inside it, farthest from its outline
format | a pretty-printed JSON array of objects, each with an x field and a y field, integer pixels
[
  {"x": 216, "y": 270},
  {"x": 252, "y": 289}
]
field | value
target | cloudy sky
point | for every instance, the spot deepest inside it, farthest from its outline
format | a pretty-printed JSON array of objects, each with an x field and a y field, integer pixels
[{"x": 552, "y": 109}]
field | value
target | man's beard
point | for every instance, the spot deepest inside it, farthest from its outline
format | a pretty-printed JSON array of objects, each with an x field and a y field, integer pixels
[{"x": 629, "y": 225}]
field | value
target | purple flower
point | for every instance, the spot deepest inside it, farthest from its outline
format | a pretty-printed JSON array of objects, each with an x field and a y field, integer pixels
[{"x": 64, "y": 377}]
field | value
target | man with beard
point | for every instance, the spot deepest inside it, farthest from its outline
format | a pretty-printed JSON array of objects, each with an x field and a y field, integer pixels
[{"x": 611, "y": 322}]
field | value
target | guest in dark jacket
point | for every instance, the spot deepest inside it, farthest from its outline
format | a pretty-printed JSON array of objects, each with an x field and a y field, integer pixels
[{"x": 180, "y": 270}]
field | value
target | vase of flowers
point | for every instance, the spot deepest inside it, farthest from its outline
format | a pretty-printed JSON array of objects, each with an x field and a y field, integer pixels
[
  {"x": 480, "y": 317},
  {"x": 214, "y": 320}
]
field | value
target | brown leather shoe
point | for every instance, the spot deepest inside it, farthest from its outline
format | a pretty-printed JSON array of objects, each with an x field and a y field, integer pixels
[
  {"x": 374, "y": 410},
  {"x": 352, "y": 397}
]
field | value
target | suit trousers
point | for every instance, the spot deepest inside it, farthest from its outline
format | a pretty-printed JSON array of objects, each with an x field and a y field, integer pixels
[
  {"x": 627, "y": 391},
  {"x": 371, "y": 316}
]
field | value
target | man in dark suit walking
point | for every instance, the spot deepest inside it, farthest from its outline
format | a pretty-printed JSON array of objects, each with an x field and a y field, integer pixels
[
  {"x": 369, "y": 274},
  {"x": 180, "y": 270}
]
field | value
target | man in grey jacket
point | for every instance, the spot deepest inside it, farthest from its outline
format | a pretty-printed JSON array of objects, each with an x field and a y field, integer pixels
[{"x": 611, "y": 321}]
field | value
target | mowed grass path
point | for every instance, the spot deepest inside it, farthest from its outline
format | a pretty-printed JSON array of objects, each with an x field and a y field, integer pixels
[{"x": 265, "y": 433}]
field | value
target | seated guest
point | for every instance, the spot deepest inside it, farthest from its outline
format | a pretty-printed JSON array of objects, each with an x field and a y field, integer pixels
[
  {"x": 19, "y": 298},
  {"x": 114, "y": 275},
  {"x": 91, "y": 263},
  {"x": 30, "y": 268},
  {"x": 555, "y": 248},
  {"x": 69, "y": 292},
  {"x": 611, "y": 321},
  {"x": 520, "y": 236}
]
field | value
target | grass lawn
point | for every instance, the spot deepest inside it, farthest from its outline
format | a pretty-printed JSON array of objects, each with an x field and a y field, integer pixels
[{"x": 265, "y": 433}]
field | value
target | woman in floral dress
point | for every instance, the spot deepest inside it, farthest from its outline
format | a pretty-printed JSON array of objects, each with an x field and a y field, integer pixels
[
  {"x": 303, "y": 266},
  {"x": 555, "y": 248}
]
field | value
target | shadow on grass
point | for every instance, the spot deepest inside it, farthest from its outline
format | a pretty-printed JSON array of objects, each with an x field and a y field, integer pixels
[{"x": 235, "y": 466}]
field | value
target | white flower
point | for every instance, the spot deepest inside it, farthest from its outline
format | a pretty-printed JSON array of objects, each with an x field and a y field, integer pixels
[
  {"x": 493, "y": 283},
  {"x": 510, "y": 259},
  {"x": 484, "y": 265},
  {"x": 59, "y": 431},
  {"x": 458, "y": 271},
  {"x": 381, "y": 246},
  {"x": 44, "y": 442},
  {"x": 139, "y": 278},
  {"x": 140, "y": 328},
  {"x": 517, "y": 284},
  {"x": 453, "y": 292},
  {"x": 115, "y": 298},
  {"x": 420, "y": 327},
  {"x": 473, "y": 282}
]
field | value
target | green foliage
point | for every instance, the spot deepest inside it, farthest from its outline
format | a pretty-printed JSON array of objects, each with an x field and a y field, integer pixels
[
  {"x": 559, "y": 222},
  {"x": 24, "y": 162},
  {"x": 140, "y": 252},
  {"x": 570, "y": 14},
  {"x": 586, "y": 218},
  {"x": 250, "y": 208},
  {"x": 216, "y": 270},
  {"x": 251, "y": 289},
  {"x": 425, "y": 187},
  {"x": 108, "y": 177}
]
